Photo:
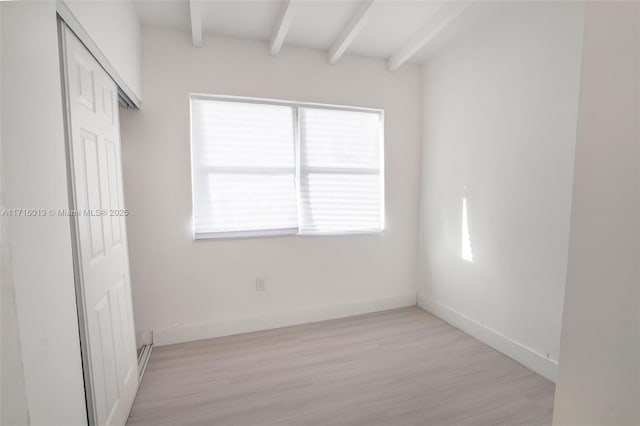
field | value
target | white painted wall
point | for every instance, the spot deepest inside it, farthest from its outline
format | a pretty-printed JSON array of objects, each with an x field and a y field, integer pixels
[
  {"x": 35, "y": 177},
  {"x": 13, "y": 403},
  {"x": 186, "y": 290},
  {"x": 114, "y": 27},
  {"x": 499, "y": 113},
  {"x": 599, "y": 377},
  {"x": 13, "y": 399}
]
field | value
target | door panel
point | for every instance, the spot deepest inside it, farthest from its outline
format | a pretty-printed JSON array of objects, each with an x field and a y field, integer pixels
[
  {"x": 103, "y": 283},
  {"x": 85, "y": 83},
  {"x": 112, "y": 183},
  {"x": 90, "y": 186}
]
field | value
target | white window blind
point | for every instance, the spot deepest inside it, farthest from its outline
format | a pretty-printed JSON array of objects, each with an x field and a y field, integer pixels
[
  {"x": 340, "y": 171},
  {"x": 243, "y": 168},
  {"x": 262, "y": 168}
]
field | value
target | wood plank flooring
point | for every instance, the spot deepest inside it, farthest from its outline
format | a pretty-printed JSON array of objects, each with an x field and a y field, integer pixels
[{"x": 399, "y": 367}]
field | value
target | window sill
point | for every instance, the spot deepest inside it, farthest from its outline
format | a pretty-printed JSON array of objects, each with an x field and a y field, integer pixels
[
  {"x": 244, "y": 234},
  {"x": 280, "y": 233},
  {"x": 341, "y": 233}
]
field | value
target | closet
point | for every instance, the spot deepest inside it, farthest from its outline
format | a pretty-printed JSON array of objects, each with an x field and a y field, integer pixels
[{"x": 101, "y": 263}]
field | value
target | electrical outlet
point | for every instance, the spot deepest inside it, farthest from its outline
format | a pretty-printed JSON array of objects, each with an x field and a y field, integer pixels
[{"x": 260, "y": 284}]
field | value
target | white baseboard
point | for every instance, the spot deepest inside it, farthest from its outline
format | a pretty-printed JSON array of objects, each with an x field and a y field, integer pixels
[
  {"x": 273, "y": 320},
  {"x": 526, "y": 356},
  {"x": 144, "y": 337}
]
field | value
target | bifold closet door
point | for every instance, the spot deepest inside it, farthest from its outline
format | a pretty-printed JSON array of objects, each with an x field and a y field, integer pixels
[{"x": 102, "y": 267}]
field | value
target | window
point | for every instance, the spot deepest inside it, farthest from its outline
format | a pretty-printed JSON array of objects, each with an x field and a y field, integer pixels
[
  {"x": 243, "y": 162},
  {"x": 269, "y": 168}
]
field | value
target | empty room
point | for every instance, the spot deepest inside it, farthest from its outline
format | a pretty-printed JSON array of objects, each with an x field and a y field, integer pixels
[{"x": 319, "y": 212}]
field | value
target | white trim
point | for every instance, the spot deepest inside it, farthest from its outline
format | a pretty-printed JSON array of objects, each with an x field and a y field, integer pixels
[
  {"x": 244, "y": 234},
  {"x": 143, "y": 361},
  {"x": 271, "y": 320},
  {"x": 271, "y": 101},
  {"x": 144, "y": 337},
  {"x": 291, "y": 232},
  {"x": 370, "y": 232},
  {"x": 515, "y": 350}
]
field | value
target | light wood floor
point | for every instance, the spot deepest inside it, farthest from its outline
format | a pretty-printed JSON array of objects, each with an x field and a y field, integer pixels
[{"x": 399, "y": 367}]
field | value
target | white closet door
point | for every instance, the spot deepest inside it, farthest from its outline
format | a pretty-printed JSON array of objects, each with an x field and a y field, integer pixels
[{"x": 103, "y": 265}]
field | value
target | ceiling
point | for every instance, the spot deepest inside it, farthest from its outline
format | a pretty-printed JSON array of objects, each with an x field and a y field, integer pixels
[{"x": 387, "y": 27}]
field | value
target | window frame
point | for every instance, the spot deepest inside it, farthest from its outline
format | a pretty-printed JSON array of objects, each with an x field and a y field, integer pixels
[{"x": 295, "y": 106}]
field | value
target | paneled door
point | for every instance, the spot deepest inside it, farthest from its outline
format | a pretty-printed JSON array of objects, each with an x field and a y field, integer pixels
[{"x": 102, "y": 263}]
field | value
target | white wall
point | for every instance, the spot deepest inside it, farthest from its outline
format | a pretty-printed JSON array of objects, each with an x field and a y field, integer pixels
[
  {"x": 599, "y": 377},
  {"x": 187, "y": 290},
  {"x": 35, "y": 177},
  {"x": 13, "y": 403},
  {"x": 13, "y": 399},
  {"x": 114, "y": 27},
  {"x": 499, "y": 113}
]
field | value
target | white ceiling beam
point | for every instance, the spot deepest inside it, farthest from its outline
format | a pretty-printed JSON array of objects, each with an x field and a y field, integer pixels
[
  {"x": 436, "y": 24},
  {"x": 282, "y": 27},
  {"x": 350, "y": 31},
  {"x": 195, "y": 8}
]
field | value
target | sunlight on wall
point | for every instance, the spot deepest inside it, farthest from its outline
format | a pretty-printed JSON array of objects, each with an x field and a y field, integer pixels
[{"x": 465, "y": 252}]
